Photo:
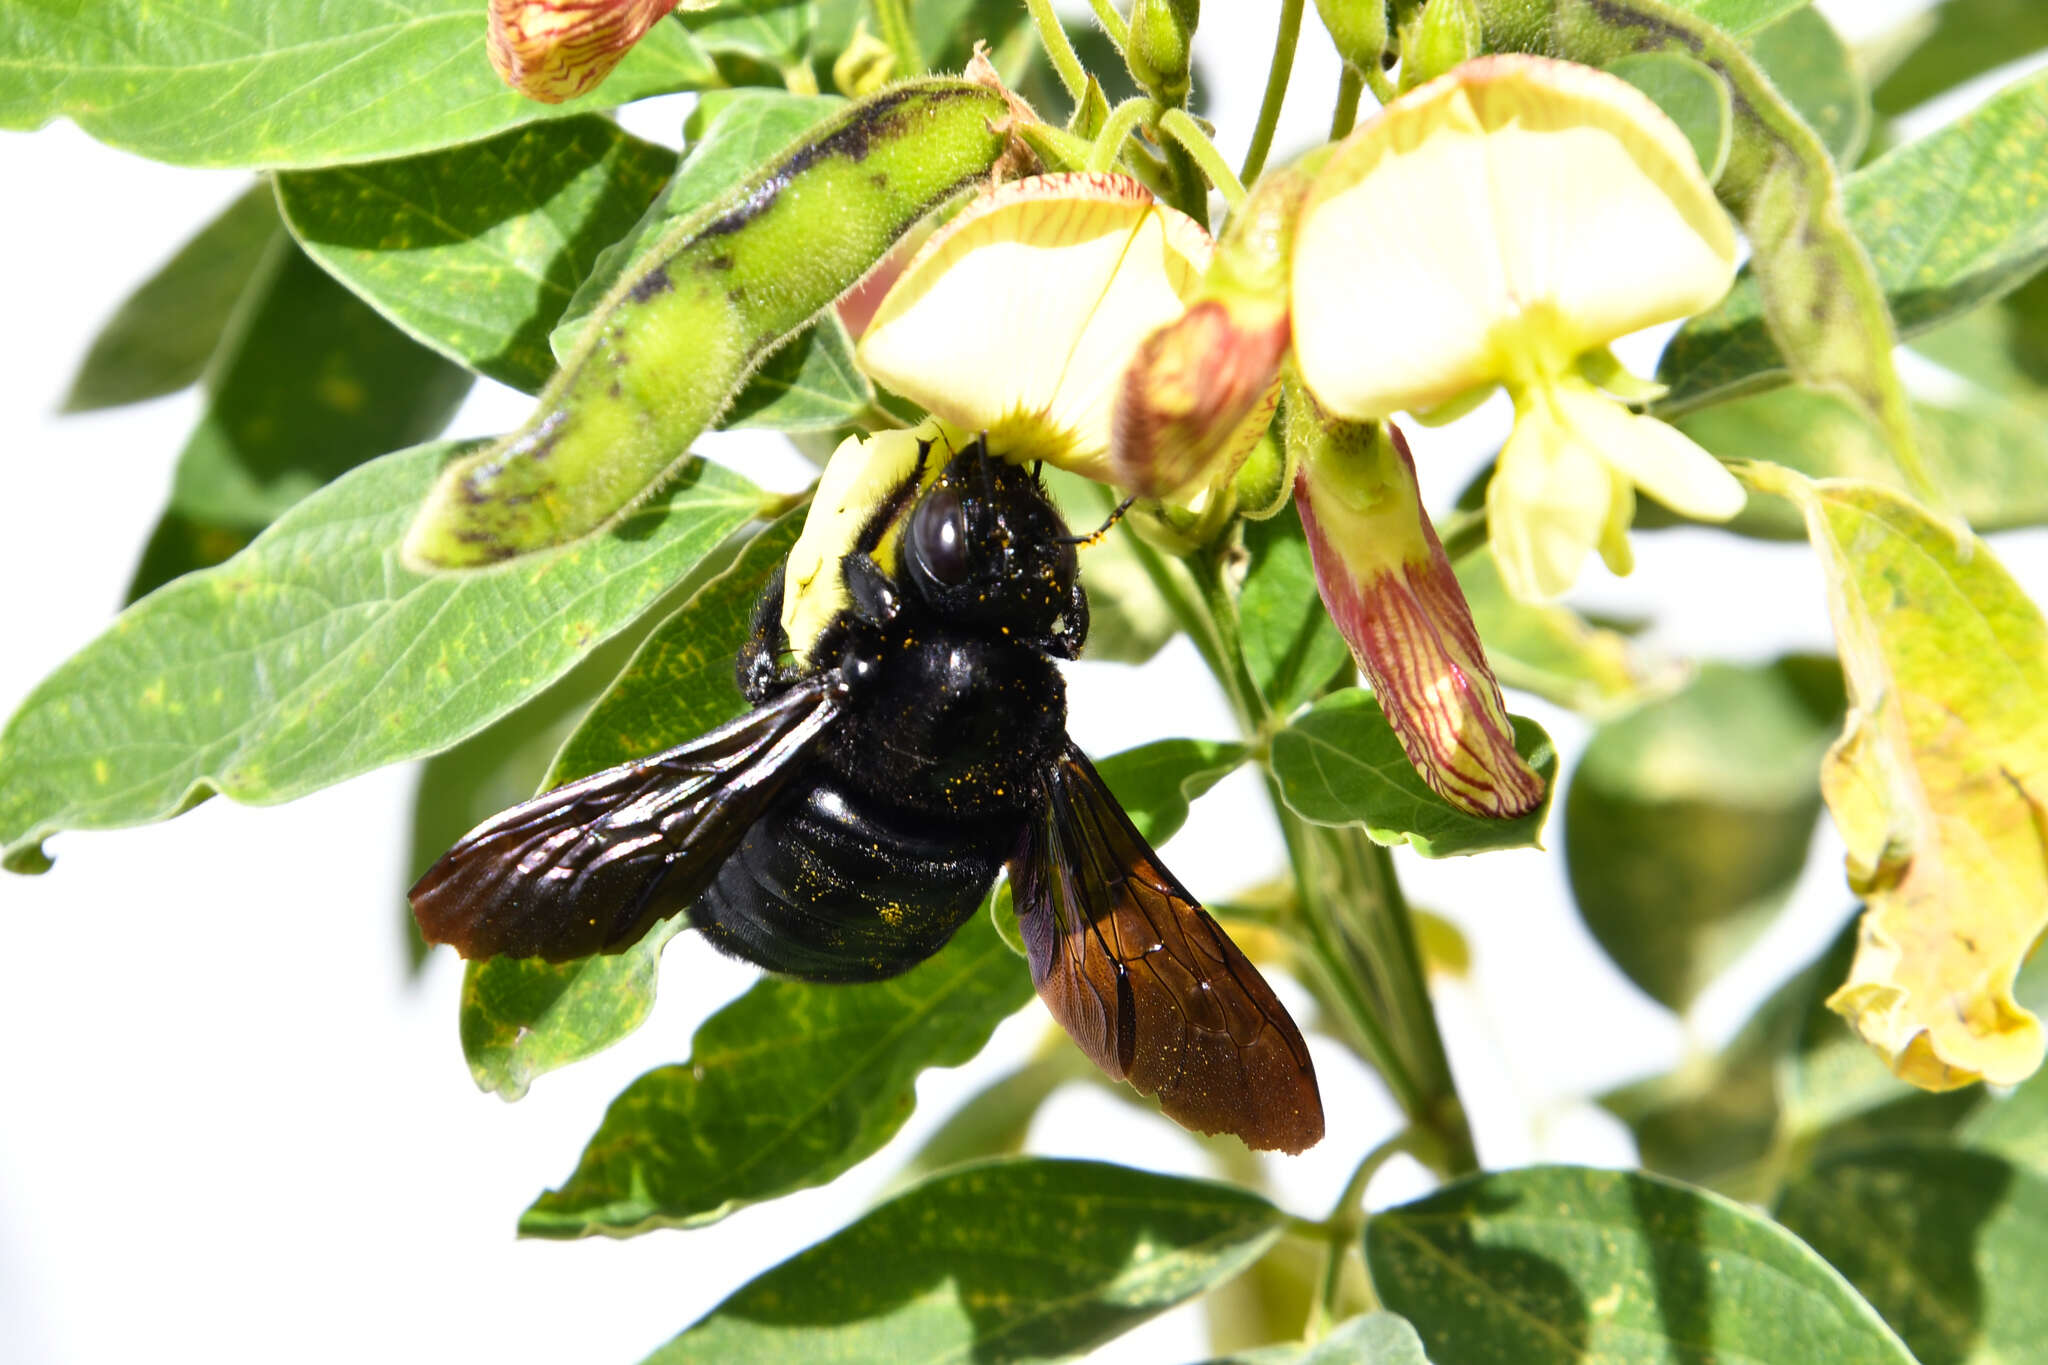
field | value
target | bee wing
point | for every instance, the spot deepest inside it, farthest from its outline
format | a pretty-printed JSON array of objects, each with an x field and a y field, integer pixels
[
  {"x": 591, "y": 866},
  {"x": 1146, "y": 982}
]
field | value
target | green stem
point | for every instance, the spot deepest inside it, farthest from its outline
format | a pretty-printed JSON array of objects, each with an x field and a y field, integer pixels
[
  {"x": 1122, "y": 122},
  {"x": 1276, "y": 90},
  {"x": 1349, "y": 87},
  {"x": 1053, "y": 35},
  {"x": 892, "y": 21},
  {"x": 1345, "y": 1223},
  {"x": 1463, "y": 532},
  {"x": 1112, "y": 23},
  {"x": 1183, "y": 129},
  {"x": 1360, "y": 936},
  {"x": 1382, "y": 89}
]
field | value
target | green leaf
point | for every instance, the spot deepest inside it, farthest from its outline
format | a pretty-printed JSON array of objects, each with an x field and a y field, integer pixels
[
  {"x": 1024, "y": 1260},
  {"x": 1816, "y": 73},
  {"x": 1949, "y": 222},
  {"x": 523, "y": 1017},
  {"x": 1964, "y": 39},
  {"x": 748, "y": 129},
  {"x": 1340, "y": 763},
  {"x": 2015, "y": 1127},
  {"x": 1564, "y": 1264},
  {"x": 503, "y": 764},
  {"x": 1795, "y": 1080},
  {"x": 811, "y": 384},
  {"x": 476, "y": 250},
  {"x": 996, "y": 1119},
  {"x": 253, "y": 83},
  {"x": 159, "y": 340},
  {"x": 313, "y": 656},
  {"x": 1987, "y": 453},
  {"x": 1690, "y": 95},
  {"x": 680, "y": 683},
  {"x": 1155, "y": 782},
  {"x": 1688, "y": 821},
  {"x": 1740, "y": 18},
  {"x": 1715, "y": 1120},
  {"x": 1290, "y": 644},
  {"x": 774, "y": 33},
  {"x": 785, "y": 1088},
  {"x": 1371, "y": 1339},
  {"x": 2000, "y": 351},
  {"x": 1947, "y": 1245},
  {"x": 307, "y": 384},
  {"x": 1557, "y": 653}
]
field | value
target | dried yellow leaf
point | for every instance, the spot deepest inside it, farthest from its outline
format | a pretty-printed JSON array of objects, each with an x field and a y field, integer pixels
[{"x": 1937, "y": 784}]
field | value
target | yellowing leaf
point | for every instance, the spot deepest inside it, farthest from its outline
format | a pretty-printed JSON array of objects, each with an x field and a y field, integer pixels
[{"x": 1937, "y": 784}]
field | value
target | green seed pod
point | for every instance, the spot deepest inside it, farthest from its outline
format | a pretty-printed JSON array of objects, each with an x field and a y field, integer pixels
[
  {"x": 1358, "y": 29},
  {"x": 1161, "y": 46},
  {"x": 692, "y": 319},
  {"x": 1448, "y": 34}
]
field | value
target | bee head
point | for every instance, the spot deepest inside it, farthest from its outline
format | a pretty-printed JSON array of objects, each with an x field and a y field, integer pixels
[{"x": 984, "y": 546}]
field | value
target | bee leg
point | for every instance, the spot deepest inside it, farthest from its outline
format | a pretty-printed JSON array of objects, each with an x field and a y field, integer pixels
[
  {"x": 1071, "y": 631},
  {"x": 875, "y": 597},
  {"x": 757, "y": 668}
]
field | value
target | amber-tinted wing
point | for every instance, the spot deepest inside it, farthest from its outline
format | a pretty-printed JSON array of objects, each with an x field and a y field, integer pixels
[
  {"x": 592, "y": 865},
  {"x": 1146, "y": 982}
]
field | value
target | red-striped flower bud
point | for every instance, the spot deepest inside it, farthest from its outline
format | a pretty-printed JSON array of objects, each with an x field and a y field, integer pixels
[
  {"x": 555, "y": 50},
  {"x": 1387, "y": 584}
]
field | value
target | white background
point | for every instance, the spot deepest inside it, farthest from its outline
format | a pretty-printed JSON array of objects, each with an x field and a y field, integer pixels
[{"x": 232, "y": 1128}]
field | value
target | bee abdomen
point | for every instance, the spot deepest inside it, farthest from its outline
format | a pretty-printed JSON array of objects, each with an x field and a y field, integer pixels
[{"x": 829, "y": 886}]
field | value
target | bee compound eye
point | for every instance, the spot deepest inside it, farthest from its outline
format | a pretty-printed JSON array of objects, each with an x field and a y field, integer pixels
[{"x": 938, "y": 533}]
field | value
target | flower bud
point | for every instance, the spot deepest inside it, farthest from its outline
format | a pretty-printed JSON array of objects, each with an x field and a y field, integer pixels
[
  {"x": 1201, "y": 389},
  {"x": 1447, "y": 35},
  {"x": 865, "y": 66},
  {"x": 555, "y": 50},
  {"x": 1358, "y": 28},
  {"x": 1388, "y": 586},
  {"x": 1158, "y": 53}
]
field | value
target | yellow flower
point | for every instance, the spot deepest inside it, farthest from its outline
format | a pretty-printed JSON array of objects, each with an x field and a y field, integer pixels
[
  {"x": 1500, "y": 226},
  {"x": 555, "y": 50},
  {"x": 1023, "y": 317}
]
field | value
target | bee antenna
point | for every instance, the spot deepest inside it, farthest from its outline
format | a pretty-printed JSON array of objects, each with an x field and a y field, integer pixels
[{"x": 1095, "y": 536}]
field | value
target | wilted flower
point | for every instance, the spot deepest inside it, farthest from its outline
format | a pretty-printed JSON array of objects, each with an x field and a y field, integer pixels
[
  {"x": 1022, "y": 315},
  {"x": 1387, "y": 584},
  {"x": 555, "y": 50},
  {"x": 1500, "y": 226},
  {"x": 1203, "y": 387}
]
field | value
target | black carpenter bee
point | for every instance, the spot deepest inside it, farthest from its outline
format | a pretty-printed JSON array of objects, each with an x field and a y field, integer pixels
[{"x": 849, "y": 824}]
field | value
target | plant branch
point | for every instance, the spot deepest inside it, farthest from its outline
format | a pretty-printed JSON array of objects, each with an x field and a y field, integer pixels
[
  {"x": 1184, "y": 130},
  {"x": 1277, "y": 77},
  {"x": 1349, "y": 86},
  {"x": 1052, "y": 35},
  {"x": 1122, "y": 122},
  {"x": 1346, "y": 1221},
  {"x": 1463, "y": 532},
  {"x": 1112, "y": 23}
]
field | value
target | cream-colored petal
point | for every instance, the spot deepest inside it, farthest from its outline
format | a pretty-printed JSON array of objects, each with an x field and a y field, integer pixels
[
  {"x": 1493, "y": 224},
  {"x": 1019, "y": 316},
  {"x": 1549, "y": 502},
  {"x": 860, "y": 474},
  {"x": 1655, "y": 456}
]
